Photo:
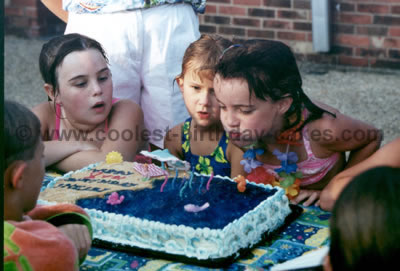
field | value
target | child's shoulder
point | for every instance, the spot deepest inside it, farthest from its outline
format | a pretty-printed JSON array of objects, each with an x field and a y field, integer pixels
[{"x": 46, "y": 112}]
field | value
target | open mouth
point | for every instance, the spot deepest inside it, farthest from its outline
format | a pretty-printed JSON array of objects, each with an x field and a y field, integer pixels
[
  {"x": 99, "y": 106},
  {"x": 203, "y": 115},
  {"x": 234, "y": 135}
]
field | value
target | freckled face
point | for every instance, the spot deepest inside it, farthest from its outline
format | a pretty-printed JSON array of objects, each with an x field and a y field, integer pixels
[
  {"x": 85, "y": 87},
  {"x": 198, "y": 93},
  {"x": 246, "y": 118}
]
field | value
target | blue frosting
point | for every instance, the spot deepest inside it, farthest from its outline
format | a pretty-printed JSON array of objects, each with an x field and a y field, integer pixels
[{"x": 226, "y": 203}]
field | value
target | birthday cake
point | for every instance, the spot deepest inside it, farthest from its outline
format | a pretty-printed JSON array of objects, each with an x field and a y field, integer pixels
[{"x": 202, "y": 217}]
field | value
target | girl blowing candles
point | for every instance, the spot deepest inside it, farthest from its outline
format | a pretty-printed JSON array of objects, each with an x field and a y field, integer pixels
[{"x": 264, "y": 110}]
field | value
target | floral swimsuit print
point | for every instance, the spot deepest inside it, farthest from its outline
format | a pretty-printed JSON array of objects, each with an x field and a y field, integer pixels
[{"x": 216, "y": 162}]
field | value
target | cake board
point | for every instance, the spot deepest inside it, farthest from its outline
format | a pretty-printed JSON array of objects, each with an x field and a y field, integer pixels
[{"x": 296, "y": 211}]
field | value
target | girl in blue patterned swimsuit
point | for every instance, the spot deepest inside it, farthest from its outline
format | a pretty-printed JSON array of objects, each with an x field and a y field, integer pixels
[{"x": 201, "y": 139}]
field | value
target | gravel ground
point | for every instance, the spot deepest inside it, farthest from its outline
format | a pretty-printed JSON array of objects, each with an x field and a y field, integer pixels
[{"x": 372, "y": 96}]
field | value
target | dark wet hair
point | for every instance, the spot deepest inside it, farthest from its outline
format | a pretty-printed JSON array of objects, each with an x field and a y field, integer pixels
[
  {"x": 365, "y": 222},
  {"x": 206, "y": 51},
  {"x": 21, "y": 132},
  {"x": 55, "y": 50},
  {"x": 270, "y": 70}
]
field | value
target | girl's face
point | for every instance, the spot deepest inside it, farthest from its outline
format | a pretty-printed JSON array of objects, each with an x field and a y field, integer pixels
[
  {"x": 198, "y": 93},
  {"x": 246, "y": 118},
  {"x": 85, "y": 87}
]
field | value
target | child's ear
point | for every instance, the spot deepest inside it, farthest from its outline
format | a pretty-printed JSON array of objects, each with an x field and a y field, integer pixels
[
  {"x": 179, "y": 81},
  {"x": 13, "y": 175},
  {"x": 50, "y": 91},
  {"x": 284, "y": 104}
]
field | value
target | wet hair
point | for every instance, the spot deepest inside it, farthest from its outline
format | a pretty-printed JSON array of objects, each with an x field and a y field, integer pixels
[
  {"x": 55, "y": 50},
  {"x": 365, "y": 222},
  {"x": 21, "y": 132},
  {"x": 270, "y": 70},
  {"x": 206, "y": 51}
]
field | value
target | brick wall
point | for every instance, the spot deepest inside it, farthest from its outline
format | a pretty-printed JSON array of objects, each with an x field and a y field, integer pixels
[
  {"x": 364, "y": 33},
  {"x": 30, "y": 18}
]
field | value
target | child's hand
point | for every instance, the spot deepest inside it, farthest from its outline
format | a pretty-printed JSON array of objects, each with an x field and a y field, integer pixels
[
  {"x": 308, "y": 196},
  {"x": 80, "y": 237}
]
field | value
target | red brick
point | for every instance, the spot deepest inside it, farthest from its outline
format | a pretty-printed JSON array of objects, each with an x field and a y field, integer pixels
[
  {"x": 396, "y": 9},
  {"x": 353, "y": 61},
  {"x": 25, "y": 3},
  {"x": 292, "y": 36},
  {"x": 208, "y": 29},
  {"x": 31, "y": 12},
  {"x": 260, "y": 34},
  {"x": 302, "y": 4},
  {"x": 394, "y": 31},
  {"x": 278, "y": 3},
  {"x": 387, "y": 20},
  {"x": 11, "y": 11},
  {"x": 246, "y": 22},
  {"x": 211, "y": 9},
  {"x": 277, "y": 24},
  {"x": 357, "y": 41},
  {"x": 373, "y": 8},
  {"x": 293, "y": 14},
  {"x": 231, "y": 31},
  {"x": 217, "y": 19},
  {"x": 343, "y": 28},
  {"x": 372, "y": 30},
  {"x": 247, "y": 2},
  {"x": 231, "y": 10},
  {"x": 355, "y": 18},
  {"x": 392, "y": 43},
  {"x": 304, "y": 26},
  {"x": 346, "y": 7},
  {"x": 258, "y": 12},
  {"x": 368, "y": 52}
]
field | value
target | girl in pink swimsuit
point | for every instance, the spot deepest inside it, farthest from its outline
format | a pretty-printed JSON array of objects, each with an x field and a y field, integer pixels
[
  {"x": 81, "y": 123},
  {"x": 265, "y": 111}
]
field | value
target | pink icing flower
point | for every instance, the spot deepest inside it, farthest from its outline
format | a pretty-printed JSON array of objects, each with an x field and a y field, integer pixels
[
  {"x": 114, "y": 198},
  {"x": 195, "y": 208}
]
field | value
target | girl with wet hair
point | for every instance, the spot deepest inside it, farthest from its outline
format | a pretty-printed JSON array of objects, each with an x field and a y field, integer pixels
[{"x": 266, "y": 112}]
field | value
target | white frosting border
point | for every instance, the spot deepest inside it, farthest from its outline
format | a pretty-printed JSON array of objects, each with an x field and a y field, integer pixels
[{"x": 200, "y": 243}]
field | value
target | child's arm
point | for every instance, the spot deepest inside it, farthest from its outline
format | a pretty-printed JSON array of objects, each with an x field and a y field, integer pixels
[
  {"x": 173, "y": 141},
  {"x": 55, "y": 6},
  {"x": 344, "y": 133},
  {"x": 41, "y": 245},
  {"x": 55, "y": 150},
  {"x": 388, "y": 155},
  {"x": 124, "y": 136},
  {"x": 235, "y": 155}
]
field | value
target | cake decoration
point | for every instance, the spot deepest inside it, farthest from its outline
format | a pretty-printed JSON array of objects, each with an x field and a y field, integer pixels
[
  {"x": 114, "y": 157},
  {"x": 165, "y": 156},
  {"x": 201, "y": 217},
  {"x": 241, "y": 183},
  {"x": 195, "y": 208},
  {"x": 148, "y": 170},
  {"x": 115, "y": 199}
]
